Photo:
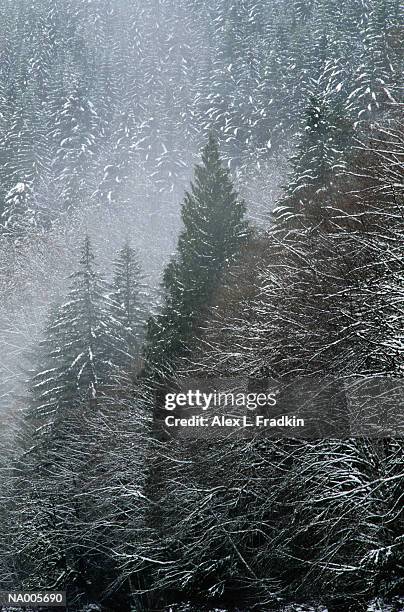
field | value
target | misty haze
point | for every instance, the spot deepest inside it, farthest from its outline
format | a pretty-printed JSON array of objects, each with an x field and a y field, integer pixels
[{"x": 203, "y": 190}]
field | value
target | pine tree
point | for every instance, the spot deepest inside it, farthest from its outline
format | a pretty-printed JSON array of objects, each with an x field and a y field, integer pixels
[
  {"x": 322, "y": 153},
  {"x": 18, "y": 214},
  {"x": 61, "y": 452},
  {"x": 128, "y": 308},
  {"x": 75, "y": 135},
  {"x": 379, "y": 67},
  {"x": 214, "y": 231},
  {"x": 75, "y": 360}
]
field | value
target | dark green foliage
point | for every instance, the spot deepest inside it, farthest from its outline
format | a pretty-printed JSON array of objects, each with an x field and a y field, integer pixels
[{"x": 213, "y": 234}]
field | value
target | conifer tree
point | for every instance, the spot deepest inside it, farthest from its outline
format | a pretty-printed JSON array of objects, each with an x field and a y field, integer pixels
[
  {"x": 379, "y": 67},
  {"x": 58, "y": 441},
  {"x": 18, "y": 214},
  {"x": 322, "y": 154},
  {"x": 75, "y": 358},
  {"x": 75, "y": 134},
  {"x": 128, "y": 308},
  {"x": 213, "y": 233}
]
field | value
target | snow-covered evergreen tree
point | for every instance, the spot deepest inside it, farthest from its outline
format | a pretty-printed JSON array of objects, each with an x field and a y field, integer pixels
[
  {"x": 75, "y": 133},
  {"x": 18, "y": 214},
  {"x": 213, "y": 234},
  {"x": 75, "y": 353},
  {"x": 323, "y": 151},
  {"x": 128, "y": 307},
  {"x": 378, "y": 64}
]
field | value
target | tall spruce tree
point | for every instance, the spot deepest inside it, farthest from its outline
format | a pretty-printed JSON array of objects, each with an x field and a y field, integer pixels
[
  {"x": 324, "y": 147},
  {"x": 58, "y": 448},
  {"x": 128, "y": 308},
  {"x": 18, "y": 214},
  {"x": 75, "y": 357},
  {"x": 213, "y": 233}
]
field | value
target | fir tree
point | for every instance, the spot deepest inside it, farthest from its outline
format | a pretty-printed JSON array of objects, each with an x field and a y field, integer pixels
[
  {"x": 378, "y": 68},
  {"x": 22, "y": 214},
  {"x": 18, "y": 214},
  {"x": 214, "y": 231},
  {"x": 75, "y": 134},
  {"x": 75, "y": 359},
  {"x": 322, "y": 154},
  {"x": 128, "y": 308}
]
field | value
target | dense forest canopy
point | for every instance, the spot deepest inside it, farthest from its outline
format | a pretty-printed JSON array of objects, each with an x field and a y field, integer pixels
[{"x": 204, "y": 189}]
